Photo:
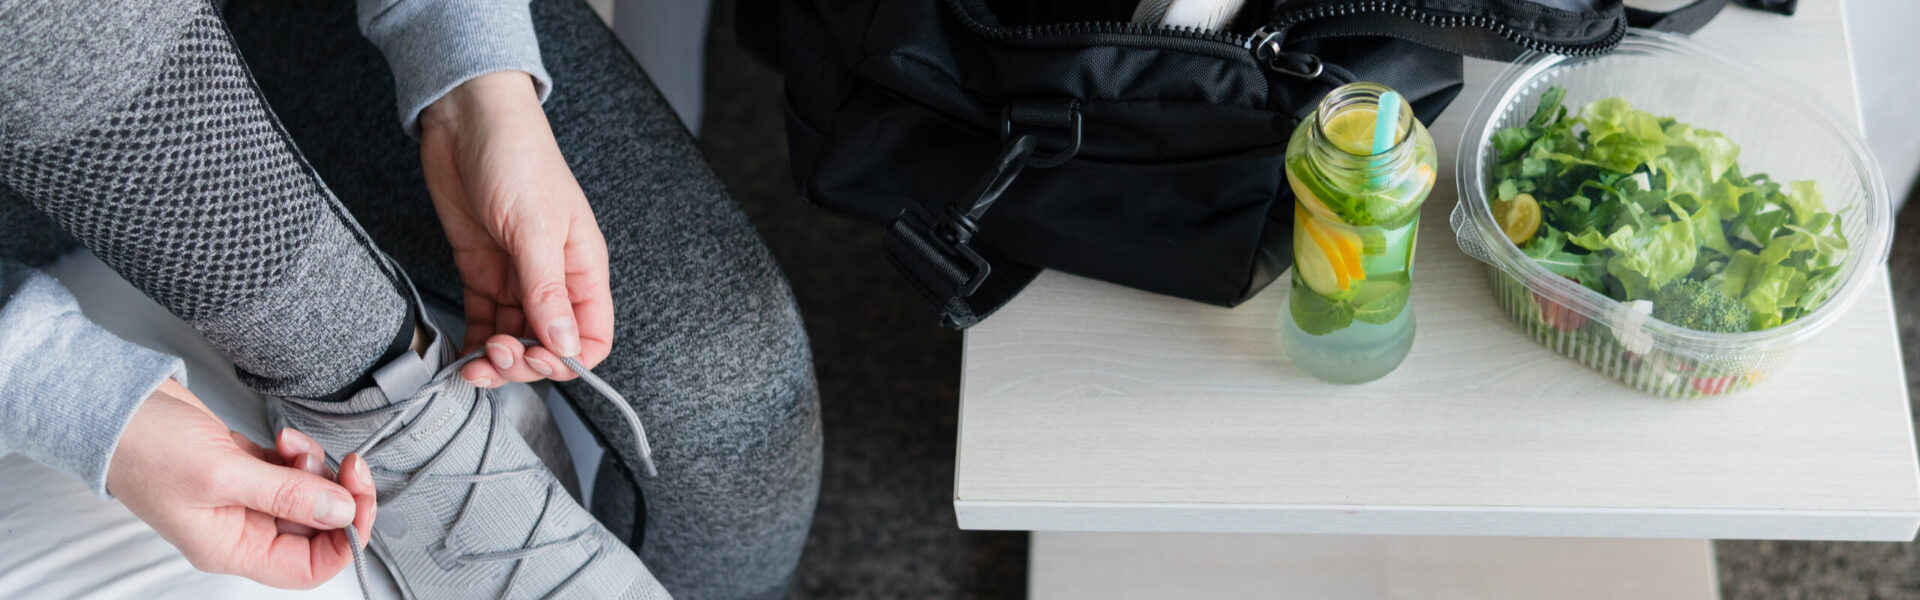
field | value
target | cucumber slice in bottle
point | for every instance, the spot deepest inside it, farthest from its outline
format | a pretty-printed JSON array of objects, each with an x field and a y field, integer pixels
[{"x": 1313, "y": 265}]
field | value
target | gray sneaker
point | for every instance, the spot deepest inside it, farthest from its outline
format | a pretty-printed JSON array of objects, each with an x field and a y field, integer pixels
[{"x": 467, "y": 510}]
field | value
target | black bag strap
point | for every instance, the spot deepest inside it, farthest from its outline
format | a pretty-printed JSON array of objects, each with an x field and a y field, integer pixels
[
  {"x": 936, "y": 253},
  {"x": 1690, "y": 18},
  {"x": 1686, "y": 19}
]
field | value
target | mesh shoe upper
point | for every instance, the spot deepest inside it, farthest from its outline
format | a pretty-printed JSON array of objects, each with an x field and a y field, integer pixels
[{"x": 466, "y": 509}]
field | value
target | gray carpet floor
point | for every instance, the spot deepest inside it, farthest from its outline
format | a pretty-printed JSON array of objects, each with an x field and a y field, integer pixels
[
  {"x": 889, "y": 382},
  {"x": 889, "y": 377}
]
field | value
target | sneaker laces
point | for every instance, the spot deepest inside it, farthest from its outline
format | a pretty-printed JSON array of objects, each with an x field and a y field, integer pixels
[{"x": 404, "y": 412}]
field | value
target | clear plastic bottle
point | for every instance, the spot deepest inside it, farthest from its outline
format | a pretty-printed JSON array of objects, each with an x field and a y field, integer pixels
[{"x": 1356, "y": 217}]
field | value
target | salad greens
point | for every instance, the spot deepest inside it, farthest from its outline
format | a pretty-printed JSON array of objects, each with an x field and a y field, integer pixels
[{"x": 1632, "y": 204}]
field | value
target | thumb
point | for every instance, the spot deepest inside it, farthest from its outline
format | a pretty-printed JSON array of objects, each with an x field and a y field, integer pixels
[
  {"x": 290, "y": 494},
  {"x": 540, "y": 261}
]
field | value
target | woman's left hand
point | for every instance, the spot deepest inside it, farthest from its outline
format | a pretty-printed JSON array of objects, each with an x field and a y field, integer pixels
[{"x": 531, "y": 257}]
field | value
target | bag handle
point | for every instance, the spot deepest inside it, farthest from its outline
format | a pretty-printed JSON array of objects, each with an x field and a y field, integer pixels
[
  {"x": 1690, "y": 18},
  {"x": 936, "y": 254},
  {"x": 1686, "y": 19}
]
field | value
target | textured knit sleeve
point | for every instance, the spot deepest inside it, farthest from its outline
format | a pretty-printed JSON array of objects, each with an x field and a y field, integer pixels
[
  {"x": 67, "y": 387},
  {"x": 434, "y": 46}
]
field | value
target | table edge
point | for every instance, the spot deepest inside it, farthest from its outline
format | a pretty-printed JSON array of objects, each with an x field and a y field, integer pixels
[{"x": 1684, "y": 523}]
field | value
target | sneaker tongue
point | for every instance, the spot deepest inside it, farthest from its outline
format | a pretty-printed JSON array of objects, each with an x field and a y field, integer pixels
[
  {"x": 397, "y": 381},
  {"x": 399, "y": 378}
]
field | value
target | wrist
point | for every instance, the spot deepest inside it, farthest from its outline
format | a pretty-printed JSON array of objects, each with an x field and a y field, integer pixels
[
  {"x": 492, "y": 93},
  {"x": 124, "y": 461}
]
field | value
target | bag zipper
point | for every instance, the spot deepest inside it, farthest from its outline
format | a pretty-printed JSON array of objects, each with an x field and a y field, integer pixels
[
  {"x": 1289, "y": 19},
  {"x": 1082, "y": 28},
  {"x": 1265, "y": 42}
]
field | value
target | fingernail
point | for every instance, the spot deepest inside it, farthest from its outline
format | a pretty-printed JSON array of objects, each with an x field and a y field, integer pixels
[
  {"x": 293, "y": 443},
  {"x": 563, "y": 334},
  {"x": 502, "y": 358},
  {"x": 333, "y": 511},
  {"x": 362, "y": 473},
  {"x": 312, "y": 465},
  {"x": 481, "y": 382},
  {"x": 540, "y": 366}
]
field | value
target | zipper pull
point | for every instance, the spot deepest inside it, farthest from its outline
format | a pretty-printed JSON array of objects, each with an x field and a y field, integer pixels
[{"x": 1266, "y": 49}]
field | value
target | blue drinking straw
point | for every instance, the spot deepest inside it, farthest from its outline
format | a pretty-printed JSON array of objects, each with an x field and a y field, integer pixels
[{"x": 1387, "y": 122}]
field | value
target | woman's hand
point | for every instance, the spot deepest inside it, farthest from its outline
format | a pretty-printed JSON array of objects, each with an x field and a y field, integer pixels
[
  {"x": 232, "y": 507},
  {"x": 531, "y": 257}
]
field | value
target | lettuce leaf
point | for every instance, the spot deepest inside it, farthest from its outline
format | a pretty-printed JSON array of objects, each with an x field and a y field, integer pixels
[
  {"x": 1652, "y": 257},
  {"x": 1713, "y": 148},
  {"x": 1710, "y": 230},
  {"x": 1550, "y": 250},
  {"x": 1805, "y": 201},
  {"x": 1654, "y": 200}
]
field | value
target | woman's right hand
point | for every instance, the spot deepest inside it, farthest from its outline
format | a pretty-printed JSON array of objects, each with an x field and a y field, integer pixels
[{"x": 231, "y": 506}]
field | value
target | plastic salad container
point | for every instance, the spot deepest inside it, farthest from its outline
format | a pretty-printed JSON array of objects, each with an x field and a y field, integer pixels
[{"x": 1779, "y": 131}]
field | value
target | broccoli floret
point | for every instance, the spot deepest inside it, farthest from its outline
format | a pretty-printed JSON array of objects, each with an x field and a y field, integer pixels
[{"x": 1695, "y": 304}]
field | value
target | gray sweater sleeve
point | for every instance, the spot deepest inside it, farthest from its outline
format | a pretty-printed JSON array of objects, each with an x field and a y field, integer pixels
[
  {"x": 67, "y": 386},
  {"x": 436, "y": 45}
]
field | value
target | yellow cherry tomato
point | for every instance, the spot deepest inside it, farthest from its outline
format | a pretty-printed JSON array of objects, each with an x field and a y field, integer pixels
[{"x": 1519, "y": 218}]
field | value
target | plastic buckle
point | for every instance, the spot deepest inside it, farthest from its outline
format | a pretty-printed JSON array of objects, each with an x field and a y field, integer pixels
[
  {"x": 943, "y": 247},
  {"x": 937, "y": 250},
  {"x": 1030, "y": 115},
  {"x": 958, "y": 239}
]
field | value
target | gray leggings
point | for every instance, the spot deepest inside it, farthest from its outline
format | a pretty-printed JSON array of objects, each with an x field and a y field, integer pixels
[{"x": 708, "y": 341}]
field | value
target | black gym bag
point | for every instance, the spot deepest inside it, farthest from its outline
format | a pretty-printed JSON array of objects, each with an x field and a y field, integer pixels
[{"x": 995, "y": 138}]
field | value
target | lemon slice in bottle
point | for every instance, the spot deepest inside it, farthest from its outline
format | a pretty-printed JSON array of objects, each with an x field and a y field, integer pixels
[{"x": 1352, "y": 130}]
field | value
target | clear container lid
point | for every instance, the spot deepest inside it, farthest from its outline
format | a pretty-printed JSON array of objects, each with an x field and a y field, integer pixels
[{"x": 1779, "y": 130}]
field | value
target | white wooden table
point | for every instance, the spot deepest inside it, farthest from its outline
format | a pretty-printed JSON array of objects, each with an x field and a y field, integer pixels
[{"x": 1090, "y": 407}]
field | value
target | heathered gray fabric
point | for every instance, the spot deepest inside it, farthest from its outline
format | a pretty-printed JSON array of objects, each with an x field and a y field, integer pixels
[
  {"x": 435, "y": 45},
  {"x": 50, "y": 354},
  {"x": 708, "y": 344},
  {"x": 27, "y": 235},
  {"x": 192, "y": 192},
  {"x": 64, "y": 63},
  {"x": 477, "y": 490}
]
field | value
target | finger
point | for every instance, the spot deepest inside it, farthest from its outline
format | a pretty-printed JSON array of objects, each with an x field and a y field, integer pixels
[
  {"x": 277, "y": 457},
  {"x": 540, "y": 263},
  {"x": 502, "y": 353},
  {"x": 522, "y": 370},
  {"x": 278, "y": 559},
  {"x": 505, "y": 362},
  {"x": 357, "y": 477},
  {"x": 548, "y": 365},
  {"x": 481, "y": 374},
  {"x": 246, "y": 445},
  {"x": 290, "y": 444},
  {"x": 301, "y": 562},
  {"x": 334, "y": 546},
  {"x": 592, "y": 298},
  {"x": 510, "y": 320},
  {"x": 269, "y": 552},
  {"x": 304, "y": 462},
  {"x": 285, "y": 493},
  {"x": 297, "y": 450},
  {"x": 481, "y": 324}
]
